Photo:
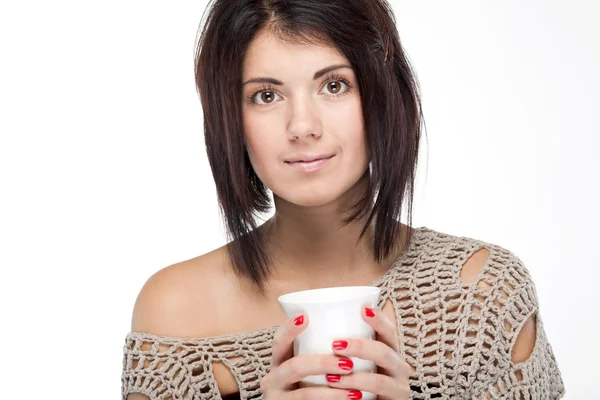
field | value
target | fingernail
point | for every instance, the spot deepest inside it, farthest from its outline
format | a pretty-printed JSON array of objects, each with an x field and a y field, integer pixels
[
  {"x": 345, "y": 363},
  {"x": 299, "y": 320},
  {"x": 333, "y": 378},
  {"x": 355, "y": 394},
  {"x": 369, "y": 312},
  {"x": 340, "y": 344}
]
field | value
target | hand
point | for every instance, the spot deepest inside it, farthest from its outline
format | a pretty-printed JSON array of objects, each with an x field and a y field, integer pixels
[
  {"x": 393, "y": 383},
  {"x": 286, "y": 370}
]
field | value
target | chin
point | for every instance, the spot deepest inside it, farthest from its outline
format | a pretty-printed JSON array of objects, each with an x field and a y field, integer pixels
[
  {"x": 319, "y": 193},
  {"x": 311, "y": 200},
  {"x": 312, "y": 197}
]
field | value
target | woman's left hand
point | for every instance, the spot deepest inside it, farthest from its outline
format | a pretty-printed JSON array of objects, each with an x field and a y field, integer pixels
[{"x": 392, "y": 383}]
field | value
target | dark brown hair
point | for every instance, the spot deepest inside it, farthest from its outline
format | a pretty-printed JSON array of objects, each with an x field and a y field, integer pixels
[{"x": 365, "y": 32}]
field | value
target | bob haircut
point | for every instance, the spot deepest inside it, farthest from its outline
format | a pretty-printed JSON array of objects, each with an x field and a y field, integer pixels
[{"x": 365, "y": 32}]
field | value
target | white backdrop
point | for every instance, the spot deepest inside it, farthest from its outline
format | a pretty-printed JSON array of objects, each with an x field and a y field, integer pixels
[{"x": 104, "y": 178}]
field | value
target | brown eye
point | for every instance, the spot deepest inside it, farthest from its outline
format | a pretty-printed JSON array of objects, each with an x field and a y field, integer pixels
[
  {"x": 337, "y": 86},
  {"x": 263, "y": 97},
  {"x": 266, "y": 96},
  {"x": 333, "y": 86}
]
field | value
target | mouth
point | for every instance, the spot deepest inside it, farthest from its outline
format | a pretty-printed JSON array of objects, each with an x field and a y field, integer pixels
[
  {"x": 310, "y": 161},
  {"x": 309, "y": 166}
]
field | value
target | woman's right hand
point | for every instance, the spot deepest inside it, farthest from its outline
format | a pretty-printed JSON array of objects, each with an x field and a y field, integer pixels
[{"x": 286, "y": 370}]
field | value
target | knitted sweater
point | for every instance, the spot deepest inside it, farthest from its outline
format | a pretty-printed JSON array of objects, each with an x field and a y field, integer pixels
[{"x": 457, "y": 336}]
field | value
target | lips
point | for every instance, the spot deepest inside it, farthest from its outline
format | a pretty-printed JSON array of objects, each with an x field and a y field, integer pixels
[
  {"x": 309, "y": 158},
  {"x": 308, "y": 161},
  {"x": 310, "y": 166}
]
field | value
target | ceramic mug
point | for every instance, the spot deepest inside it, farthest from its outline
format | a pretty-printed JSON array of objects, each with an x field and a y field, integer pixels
[{"x": 333, "y": 313}]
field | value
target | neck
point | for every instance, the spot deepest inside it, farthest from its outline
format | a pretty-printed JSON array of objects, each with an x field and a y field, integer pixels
[{"x": 310, "y": 248}]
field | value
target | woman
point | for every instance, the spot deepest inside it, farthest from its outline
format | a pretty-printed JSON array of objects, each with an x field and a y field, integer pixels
[{"x": 316, "y": 102}]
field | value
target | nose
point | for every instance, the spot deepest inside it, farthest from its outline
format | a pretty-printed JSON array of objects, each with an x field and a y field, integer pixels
[{"x": 304, "y": 123}]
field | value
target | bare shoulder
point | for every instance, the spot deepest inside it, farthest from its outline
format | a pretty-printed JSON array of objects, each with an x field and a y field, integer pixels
[
  {"x": 196, "y": 298},
  {"x": 177, "y": 300}
]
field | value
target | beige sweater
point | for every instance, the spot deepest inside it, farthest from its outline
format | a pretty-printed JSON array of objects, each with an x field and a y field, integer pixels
[{"x": 458, "y": 336}]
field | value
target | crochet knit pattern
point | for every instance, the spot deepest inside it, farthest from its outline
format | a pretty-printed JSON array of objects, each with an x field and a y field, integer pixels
[{"x": 458, "y": 336}]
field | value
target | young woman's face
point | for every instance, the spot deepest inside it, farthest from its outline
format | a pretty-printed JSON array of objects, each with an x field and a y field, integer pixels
[{"x": 300, "y": 115}]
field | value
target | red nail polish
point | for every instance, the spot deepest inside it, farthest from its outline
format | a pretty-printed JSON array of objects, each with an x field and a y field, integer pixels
[
  {"x": 299, "y": 320},
  {"x": 345, "y": 363},
  {"x": 340, "y": 344},
  {"x": 355, "y": 394},
  {"x": 369, "y": 312},
  {"x": 333, "y": 378}
]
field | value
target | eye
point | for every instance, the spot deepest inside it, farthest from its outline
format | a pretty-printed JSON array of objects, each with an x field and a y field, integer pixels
[
  {"x": 335, "y": 86},
  {"x": 263, "y": 97}
]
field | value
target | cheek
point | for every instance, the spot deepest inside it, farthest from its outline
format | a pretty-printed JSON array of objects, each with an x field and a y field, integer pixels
[
  {"x": 252, "y": 129},
  {"x": 351, "y": 130},
  {"x": 258, "y": 144}
]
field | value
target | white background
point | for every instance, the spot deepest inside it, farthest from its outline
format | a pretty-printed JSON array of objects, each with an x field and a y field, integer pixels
[{"x": 104, "y": 178}]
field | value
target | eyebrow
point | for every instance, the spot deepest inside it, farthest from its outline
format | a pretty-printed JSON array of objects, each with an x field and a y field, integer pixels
[{"x": 317, "y": 75}]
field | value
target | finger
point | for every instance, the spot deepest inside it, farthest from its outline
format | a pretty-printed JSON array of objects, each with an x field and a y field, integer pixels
[
  {"x": 372, "y": 350},
  {"x": 320, "y": 392},
  {"x": 381, "y": 385},
  {"x": 383, "y": 326},
  {"x": 297, "y": 368},
  {"x": 283, "y": 338}
]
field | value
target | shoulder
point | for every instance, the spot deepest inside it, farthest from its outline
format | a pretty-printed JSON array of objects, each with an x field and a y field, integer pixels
[
  {"x": 486, "y": 263},
  {"x": 497, "y": 283},
  {"x": 176, "y": 300},
  {"x": 195, "y": 300},
  {"x": 501, "y": 284}
]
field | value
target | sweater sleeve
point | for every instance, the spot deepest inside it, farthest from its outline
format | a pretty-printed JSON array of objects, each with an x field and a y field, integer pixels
[
  {"x": 166, "y": 369},
  {"x": 537, "y": 377}
]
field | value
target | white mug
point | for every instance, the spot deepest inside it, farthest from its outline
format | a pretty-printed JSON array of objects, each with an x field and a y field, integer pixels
[{"x": 333, "y": 313}]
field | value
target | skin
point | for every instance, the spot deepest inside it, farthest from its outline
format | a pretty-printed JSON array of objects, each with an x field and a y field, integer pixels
[
  {"x": 310, "y": 251},
  {"x": 303, "y": 114},
  {"x": 391, "y": 381},
  {"x": 308, "y": 115}
]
